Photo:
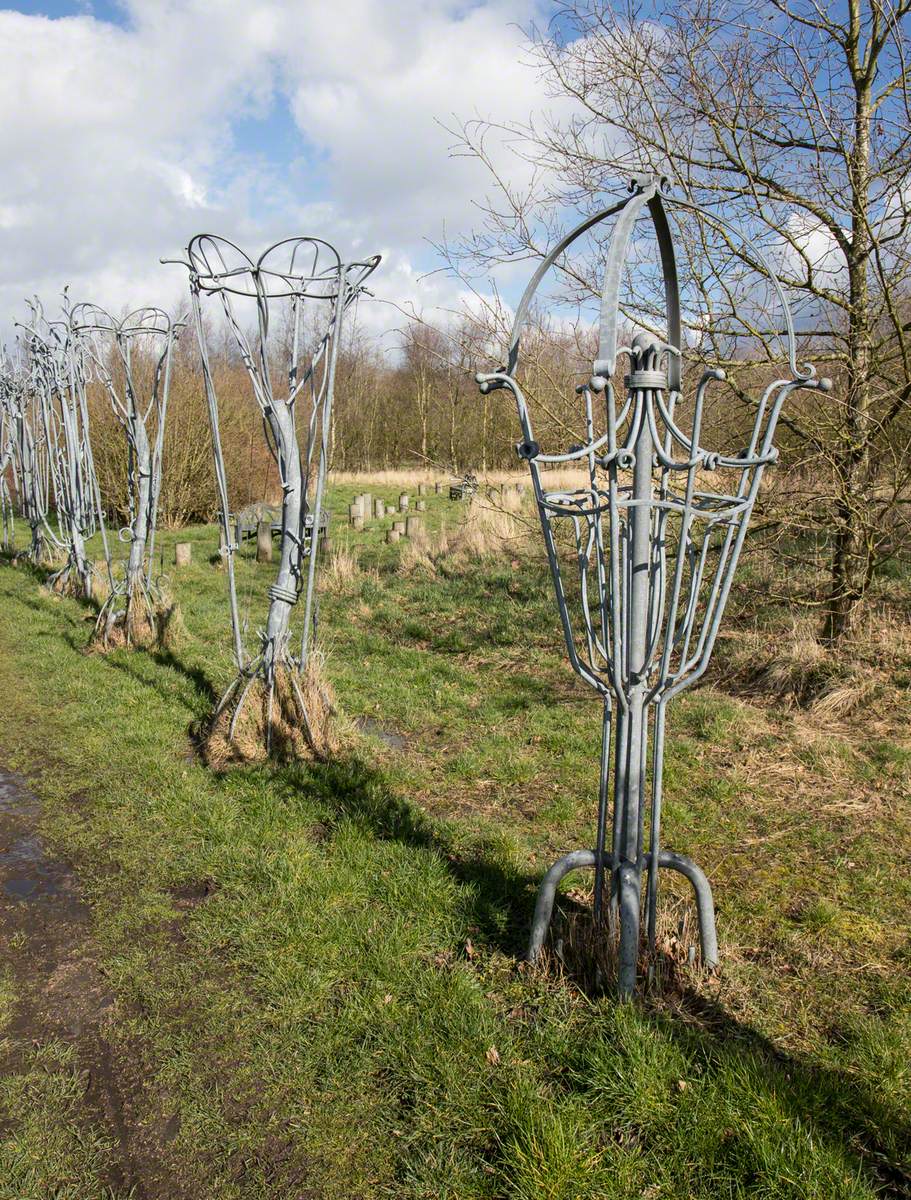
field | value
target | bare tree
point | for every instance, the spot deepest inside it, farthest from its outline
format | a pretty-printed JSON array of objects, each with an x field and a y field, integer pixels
[
  {"x": 423, "y": 347},
  {"x": 788, "y": 119}
]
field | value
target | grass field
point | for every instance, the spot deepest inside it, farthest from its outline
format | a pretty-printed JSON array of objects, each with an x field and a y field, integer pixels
[{"x": 313, "y": 974}]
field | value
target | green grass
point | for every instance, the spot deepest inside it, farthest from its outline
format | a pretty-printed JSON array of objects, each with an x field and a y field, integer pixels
[{"x": 340, "y": 1007}]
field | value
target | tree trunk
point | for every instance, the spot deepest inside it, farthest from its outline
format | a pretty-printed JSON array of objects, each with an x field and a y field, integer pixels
[{"x": 850, "y": 564}]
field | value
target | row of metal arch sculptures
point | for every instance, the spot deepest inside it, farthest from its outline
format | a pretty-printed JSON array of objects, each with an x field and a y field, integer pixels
[
  {"x": 642, "y": 553},
  {"x": 285, "y": 312}
]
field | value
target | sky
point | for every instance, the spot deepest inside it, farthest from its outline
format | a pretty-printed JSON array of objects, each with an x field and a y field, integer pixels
[{"x": 128, "y": 126}]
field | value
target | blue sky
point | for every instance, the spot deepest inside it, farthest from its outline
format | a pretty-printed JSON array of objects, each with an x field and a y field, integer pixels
[
  {"x": 102, "y": 9},
  {"x": 126, "y": 128}
]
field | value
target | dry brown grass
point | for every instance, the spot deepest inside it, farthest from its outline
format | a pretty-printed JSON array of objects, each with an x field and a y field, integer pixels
[
  {"x": 299, "y": 723},
  {"x": 420, "y": 551},
  {"x": 69, "y": 584},
  {"x": 559, "y": 478},
  {"x": 342, "y": 571},
  {"x": 492, "y": 525},
  {"x": 144, "y": 624},
  {"x": 792, "y": 666},
  {"x": 587, "y": 953}
]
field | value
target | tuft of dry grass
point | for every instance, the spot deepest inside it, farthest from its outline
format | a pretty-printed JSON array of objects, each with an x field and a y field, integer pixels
[
  {"x": 172, "y": 632},
  {"x": 420, "y": 552},
  {"x": 492, "y": 526},
  {"x": 68, "y": 582},
  {"x": 296, "y": 722},
  {"x": 793, "y": 667},
  {"x": 143, "y": 624},
  {"x": 342, "y": 572},
  {"x": 587, "y": 952}
]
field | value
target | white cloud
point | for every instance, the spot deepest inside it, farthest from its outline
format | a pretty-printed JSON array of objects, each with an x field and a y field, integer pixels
[
  {"x": 812, "y": 245},
  {"x": 118, "y": 144}
]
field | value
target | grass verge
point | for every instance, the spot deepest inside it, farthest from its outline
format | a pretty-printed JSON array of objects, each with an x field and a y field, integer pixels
[{"x": 314, "y": 967}]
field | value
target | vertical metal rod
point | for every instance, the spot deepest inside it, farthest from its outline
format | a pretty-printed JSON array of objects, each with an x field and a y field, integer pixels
[
  {"x": 651, "y": 904},
  {"x": 603, "y": 789},
  {"x": 621, "y": 744},
  {"x": 631, "y": 787}
]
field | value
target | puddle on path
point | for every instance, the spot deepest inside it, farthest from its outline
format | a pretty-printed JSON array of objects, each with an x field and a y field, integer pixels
[
  {"x": 388, "y": 737},
  {"x": 13, "y": 796},
  {"x": 26, "y": 872}
]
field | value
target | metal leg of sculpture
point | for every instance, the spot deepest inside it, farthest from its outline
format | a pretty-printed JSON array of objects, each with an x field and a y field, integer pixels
[
  {"x": 630, "y": 896},
  {"x": 547, "y": 894},
  {"x": 603, "y": 791},
  {"x": 705, "y": 905}
]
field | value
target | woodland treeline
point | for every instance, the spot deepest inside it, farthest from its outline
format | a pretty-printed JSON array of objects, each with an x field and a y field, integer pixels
[{"x": 420, "y": 408}]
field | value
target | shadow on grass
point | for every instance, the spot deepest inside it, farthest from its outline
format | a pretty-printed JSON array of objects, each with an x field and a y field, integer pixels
[
  {"x": 827, "y": 1104},
  {"x": 135, "y": 664},
  {"x": 499, "y": 897},
  {"x": 202, "y": 684}
]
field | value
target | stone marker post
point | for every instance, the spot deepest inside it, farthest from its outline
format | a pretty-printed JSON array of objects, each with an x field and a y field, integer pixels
[{"x": 264, "y": 542}]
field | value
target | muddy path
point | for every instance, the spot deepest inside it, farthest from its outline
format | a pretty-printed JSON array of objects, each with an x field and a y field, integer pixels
[{"x": 47, "y": 943}]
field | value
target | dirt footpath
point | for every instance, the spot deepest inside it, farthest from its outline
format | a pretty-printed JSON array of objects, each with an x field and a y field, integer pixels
[{"x": 60, "y": 993}]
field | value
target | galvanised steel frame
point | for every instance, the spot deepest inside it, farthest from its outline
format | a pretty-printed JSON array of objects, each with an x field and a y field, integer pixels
[
  {"x": 652, "y": 549},
  {"x": 57, "y": 373},
  {"x": 131, "y": 357},
  {"x": 303, "y": 277},
  {"x": 10, "y": 399},
  {"x": 31, "y": 458}
]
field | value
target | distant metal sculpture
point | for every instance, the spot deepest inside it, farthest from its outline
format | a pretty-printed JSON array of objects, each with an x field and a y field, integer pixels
[
  {"x": 642, "y": 558},
  {"x": 58, "y": 386},
  {"x": 302, "y": 279},
  {"x": 9, "y": 405},
  {"x": 23, "y": 404},
  {"x": 132, "y": 360}
]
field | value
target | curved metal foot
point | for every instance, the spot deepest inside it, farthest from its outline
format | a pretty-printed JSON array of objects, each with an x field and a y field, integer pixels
[
  {"x": 629, "y": 896},
  {"x": 705, "y": 907},
  {"x": 547, "y": 894}
]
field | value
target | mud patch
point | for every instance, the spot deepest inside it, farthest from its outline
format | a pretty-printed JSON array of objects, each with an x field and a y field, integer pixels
[
  {"x": 372, "y": 728},
  {"x": 191, "y": 895},
  {"x": 61, "y": 994}
]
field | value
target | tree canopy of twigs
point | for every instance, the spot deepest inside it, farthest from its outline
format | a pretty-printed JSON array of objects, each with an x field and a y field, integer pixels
[{"x": 790, "y": 122}]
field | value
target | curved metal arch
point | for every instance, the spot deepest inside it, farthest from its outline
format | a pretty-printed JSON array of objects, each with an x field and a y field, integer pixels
[
  {"x": 86, "y": 315},
  {"x": 89, "y": 317},
  {"x": 646, "y": 193},
  {"x": 148, "y": 320},
  {"x": 315, "y": 283},
  {"x": 610, "y": 300}
]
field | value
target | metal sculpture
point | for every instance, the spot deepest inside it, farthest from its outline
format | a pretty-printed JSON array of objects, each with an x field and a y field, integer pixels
[
  {"x": 64, "y": 451},
  {"x": 132, "y": 358},
  {"x": 10, "y": 401},
  {"x": 23, "y": 402},
  {"x": 277, "y": 705},
  {"x": 642, "y": 558}
]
